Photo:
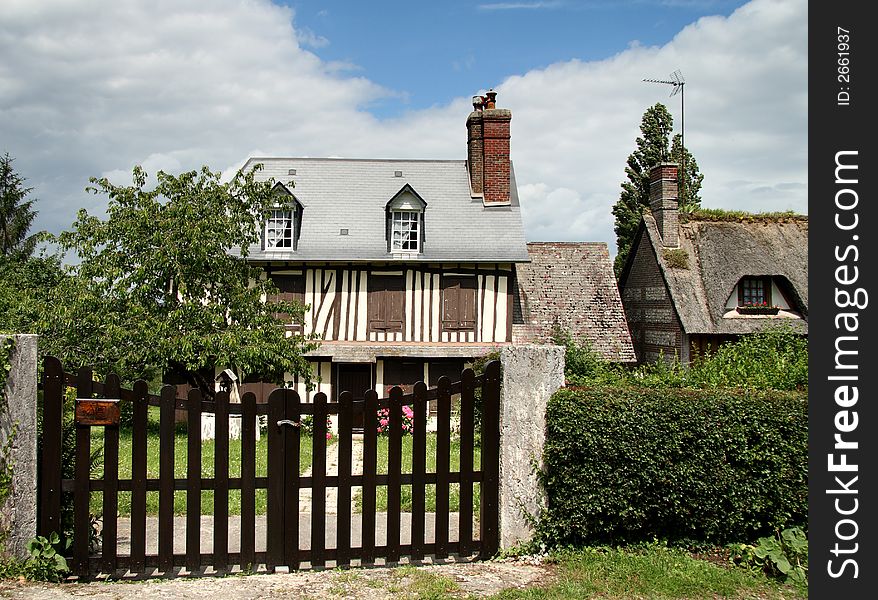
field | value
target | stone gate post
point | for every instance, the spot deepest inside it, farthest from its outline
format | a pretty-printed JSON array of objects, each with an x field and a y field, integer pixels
[
  {"x": 531, "y": 374},
  {"x": 18, "y": 416}
]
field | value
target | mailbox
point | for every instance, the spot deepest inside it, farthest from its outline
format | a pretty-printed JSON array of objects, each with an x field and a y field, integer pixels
[{"x": 97, "y": 411}]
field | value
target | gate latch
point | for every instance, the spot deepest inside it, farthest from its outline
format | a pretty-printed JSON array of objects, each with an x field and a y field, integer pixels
[{"x": 288, "y": 422}]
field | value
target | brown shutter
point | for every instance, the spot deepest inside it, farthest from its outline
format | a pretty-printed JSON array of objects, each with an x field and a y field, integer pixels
[
  {"x": 450, "y": 293},
  {"x": 467, "y": 303},
  {"x": 376, "y": 303},
  {"x": 291, "y": 288},
  {"x": 386, "y": 304},
  {"x": 395, "y": 301}
]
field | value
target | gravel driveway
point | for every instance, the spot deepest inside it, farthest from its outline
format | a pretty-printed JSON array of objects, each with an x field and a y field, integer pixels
[{"x": 458, "y": 580}]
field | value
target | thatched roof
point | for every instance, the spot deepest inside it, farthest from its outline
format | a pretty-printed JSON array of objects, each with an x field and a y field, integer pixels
[{"x": 719, "y": 254}]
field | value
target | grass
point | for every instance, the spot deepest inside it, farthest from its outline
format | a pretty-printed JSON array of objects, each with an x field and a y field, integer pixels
[
  {"x": 655, "y": 572},
  {"x": 207, "y": 470},
  {"x": 180, "y": 465},
  {"x": 406, "y": 490}
]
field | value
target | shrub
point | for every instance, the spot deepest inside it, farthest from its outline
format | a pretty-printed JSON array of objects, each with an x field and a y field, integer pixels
[
  {"x": 632, "y": 464},
  {"x": 773, "y": 358},
  {"x": 783, "y": 555},
  {"x": 408, "y": 424}
]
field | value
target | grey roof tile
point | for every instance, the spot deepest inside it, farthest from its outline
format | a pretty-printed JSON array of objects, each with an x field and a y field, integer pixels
[{"x": 352, "y": 193}]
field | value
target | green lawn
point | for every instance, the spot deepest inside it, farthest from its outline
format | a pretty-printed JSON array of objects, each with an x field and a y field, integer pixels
[
  {"x": 406, "y": 491},
  {"x": 207, "y": 470},
  {"x": 653, "y": 572},
  {"x": 180, "y": 465}
]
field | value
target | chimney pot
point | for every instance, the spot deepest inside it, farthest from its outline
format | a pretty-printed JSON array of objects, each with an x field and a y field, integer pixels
[{"x": 491, "y": 96}]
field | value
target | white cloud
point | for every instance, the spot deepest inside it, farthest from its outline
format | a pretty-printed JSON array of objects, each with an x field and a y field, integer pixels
[{"x": 176, "y": 84}]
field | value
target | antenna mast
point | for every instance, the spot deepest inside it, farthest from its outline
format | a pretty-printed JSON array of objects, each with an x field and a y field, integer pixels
[{"x": 677, "y": 81}]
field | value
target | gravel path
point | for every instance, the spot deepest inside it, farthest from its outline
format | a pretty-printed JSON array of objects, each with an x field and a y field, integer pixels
[{"x": 459, "y": 580}]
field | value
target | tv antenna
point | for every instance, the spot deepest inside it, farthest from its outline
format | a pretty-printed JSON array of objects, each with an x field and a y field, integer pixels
[{"x": 677, "y": 81}]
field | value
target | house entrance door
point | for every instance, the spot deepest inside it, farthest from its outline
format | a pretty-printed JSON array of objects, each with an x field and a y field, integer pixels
[{"x": 356, "y": 379}]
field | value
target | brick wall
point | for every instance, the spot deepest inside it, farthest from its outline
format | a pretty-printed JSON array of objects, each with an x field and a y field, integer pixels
[{"x": 654, "y": 325}]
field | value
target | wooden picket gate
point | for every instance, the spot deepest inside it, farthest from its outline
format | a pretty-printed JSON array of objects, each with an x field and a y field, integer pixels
[{"x": 284, "y": 410}]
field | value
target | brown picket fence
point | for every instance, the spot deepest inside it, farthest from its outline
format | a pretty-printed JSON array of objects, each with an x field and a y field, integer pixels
[{"x": 283, "y": 482}]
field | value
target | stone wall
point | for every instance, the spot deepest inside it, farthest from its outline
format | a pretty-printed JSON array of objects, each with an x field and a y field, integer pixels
[
  {"x": 531, "y": 374},
  {"x": 18, "y": 418}
]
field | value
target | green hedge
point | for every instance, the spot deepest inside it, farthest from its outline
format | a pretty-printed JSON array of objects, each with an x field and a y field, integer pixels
[{"x": 627, "y": 465}]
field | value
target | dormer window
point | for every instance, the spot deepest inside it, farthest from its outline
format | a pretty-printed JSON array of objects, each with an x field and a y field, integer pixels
[
  {"x": 279, "y": 230},
  {"x": 754, "y": 291},
  {"x": 405, "y": 222},
  {"x": 283, "y": 224},
  {"x": 405, "y": 231}
]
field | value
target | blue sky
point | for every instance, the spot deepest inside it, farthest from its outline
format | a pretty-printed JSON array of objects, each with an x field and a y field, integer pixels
[
  {"x": 425, "y": 53},
  {"x": 91, "y": 89}
]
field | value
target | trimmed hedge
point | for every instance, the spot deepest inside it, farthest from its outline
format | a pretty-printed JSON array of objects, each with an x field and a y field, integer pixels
[{"x": 626, "y": 465}]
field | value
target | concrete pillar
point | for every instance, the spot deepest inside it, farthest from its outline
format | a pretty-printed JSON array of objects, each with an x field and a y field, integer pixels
[
  {"x": 531, "y": 374},
  {"x": 18, "y": 418}
]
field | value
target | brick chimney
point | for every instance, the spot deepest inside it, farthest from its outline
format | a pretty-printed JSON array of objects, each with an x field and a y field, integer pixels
[
  {"x": 663, "y": 202},
  {"x": 488, "y": 150}
]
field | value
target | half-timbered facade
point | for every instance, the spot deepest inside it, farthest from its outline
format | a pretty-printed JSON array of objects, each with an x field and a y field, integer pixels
[{"x": 406, "y": 267}]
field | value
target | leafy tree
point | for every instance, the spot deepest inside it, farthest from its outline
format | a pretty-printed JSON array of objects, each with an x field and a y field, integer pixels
[
  {"x": 690, "y": 179},
  {"x": 157, "y": 288},
  {"x": 653, "y": 147},
  {"x": 26, "y": 288},
  {"x": 16, "y": 213}
]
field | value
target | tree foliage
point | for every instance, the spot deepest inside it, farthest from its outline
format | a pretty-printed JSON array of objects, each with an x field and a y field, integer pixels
[
  {"x": 775, "y": 357},
  {"x": 16, "y": 213},
  {"x": 689, "y": 177},
  {"x": 653, "y": 147},
  {"x": 158, "y": 289}
]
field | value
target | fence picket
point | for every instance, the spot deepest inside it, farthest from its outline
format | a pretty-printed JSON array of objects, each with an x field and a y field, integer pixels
[
  {"x": 111, "y": 482},
  {"x": 50, "y": 473},
  {"x": 467, "y": 433},
  {"x": 193, "y": 481},
  {"x": 318, "y": 483},
  {"x": 275, "y": 516},
  {"x": 138, "y": 477},
  {"x": 490, "y": 486},
  {"x": 166, "y": 479},
  {"x": 394, "y": 470},
  {"x": 221, "y": 483},
  {"x": 370, "y": 462},
  {"x": 248, "y": 481},
  {"x": 419, "y": 467},
  {"x": 345, "y": 458},
  {"x": 443, "y": 465},
  {"x": 292, "y": 440},
  {"x": 82, "y": 469}
]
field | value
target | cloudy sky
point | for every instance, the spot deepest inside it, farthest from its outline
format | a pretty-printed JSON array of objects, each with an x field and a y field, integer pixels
[{"x": 92, "y": 88}]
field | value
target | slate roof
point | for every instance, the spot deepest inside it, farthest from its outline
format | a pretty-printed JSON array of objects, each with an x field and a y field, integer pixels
[
  {"x": 571, "y": 285},
  {"x": 352, "y": 194},
  {"x": 720, "y": 253}
]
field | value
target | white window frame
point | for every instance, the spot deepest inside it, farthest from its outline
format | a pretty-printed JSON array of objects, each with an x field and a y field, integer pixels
[
  {"x": 405, "y": 231},
  {"x": 280, "y": 230}
]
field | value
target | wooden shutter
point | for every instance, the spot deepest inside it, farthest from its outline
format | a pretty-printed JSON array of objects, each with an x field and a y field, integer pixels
[
  {"x": 458, "y": 303},
  {"x": 386, "y": 303},
  {"x": 467, "y": 303},
  {"x": 291, "y": 288},
  {"x": 395, "y": 300}
]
